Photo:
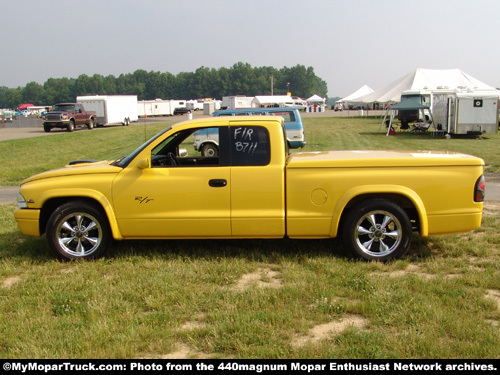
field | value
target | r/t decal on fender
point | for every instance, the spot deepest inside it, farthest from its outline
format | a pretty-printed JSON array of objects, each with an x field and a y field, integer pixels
[{"x": 144, "y": 199}]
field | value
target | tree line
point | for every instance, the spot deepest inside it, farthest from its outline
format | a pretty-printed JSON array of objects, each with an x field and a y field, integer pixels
[{"x": 240, "y": 79}]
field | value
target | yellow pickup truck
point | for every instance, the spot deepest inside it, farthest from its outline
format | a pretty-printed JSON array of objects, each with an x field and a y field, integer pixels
[{"x": 253, "y": 188}]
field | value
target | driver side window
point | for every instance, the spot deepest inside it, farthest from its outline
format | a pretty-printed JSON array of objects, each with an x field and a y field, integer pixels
[{"x": 188, "y": 148}]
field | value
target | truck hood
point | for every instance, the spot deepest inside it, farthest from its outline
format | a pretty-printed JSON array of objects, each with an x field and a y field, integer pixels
[
  {"x": 365, "y": 158},
  {"x": 99, "y": 167}
]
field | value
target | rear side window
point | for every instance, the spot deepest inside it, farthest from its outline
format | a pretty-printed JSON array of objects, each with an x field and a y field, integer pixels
[
  {"x": 250, "y": 146},
  {"x": 287, "y": 115}
]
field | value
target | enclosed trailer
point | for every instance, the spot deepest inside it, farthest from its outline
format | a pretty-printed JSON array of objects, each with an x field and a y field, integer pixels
[
  {"x": 111, "y": 109},
  {"x": 158, "y": 107},
  {"x": 237, "y": 101},
  {"x": 211, "y": 106},
  {"x": 456, "y": 112},
  {"x": 474, "y": 114},
  {"x": 195, "y": 105}
]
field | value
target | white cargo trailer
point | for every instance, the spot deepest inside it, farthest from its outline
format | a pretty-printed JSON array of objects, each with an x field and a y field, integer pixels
[
  {"x": 111, "y": 109},
  {"x": 456, "y": 112},
  {"x": 158, "y": 107},
  {"x": 475, "y": 114},
  {"x": 195, "y": 105},
  {"x": 235, "y": 102},
  {"x": 211, "y": 106}
]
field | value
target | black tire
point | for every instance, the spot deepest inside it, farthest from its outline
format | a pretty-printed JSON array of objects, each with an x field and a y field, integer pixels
[
  {"x": 377, "y": 229},
  {"x": 71, "y": 126},
  {"x": 209, "y": 150},
  {"x": 78, "y": 230},
  {"x": 90, "y": 125},
  {"x": 47, "y": 128}
]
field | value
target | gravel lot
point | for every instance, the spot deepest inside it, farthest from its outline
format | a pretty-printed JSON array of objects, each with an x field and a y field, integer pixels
[{"x": 26, "y": 127}]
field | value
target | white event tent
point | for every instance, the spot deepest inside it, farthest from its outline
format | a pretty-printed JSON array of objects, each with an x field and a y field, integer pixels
[
  {"x": 350, "y": 99},
  {"x": 272, "y": 100},
  {"x": 424, "y": 79},
  {"x": 316, "y": 103}
]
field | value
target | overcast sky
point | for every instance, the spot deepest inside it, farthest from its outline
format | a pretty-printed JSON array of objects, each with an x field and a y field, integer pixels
[{"x": 348, "y": 43}]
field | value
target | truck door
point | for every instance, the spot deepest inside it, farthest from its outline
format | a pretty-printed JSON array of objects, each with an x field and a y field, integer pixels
[
  {"x": 80, "y": 116},
  {"x": 177, "y": 197},
  {"x": 257, "y": 183}
]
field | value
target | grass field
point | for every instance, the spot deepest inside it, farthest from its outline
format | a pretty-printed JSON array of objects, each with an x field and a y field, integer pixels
[{"x": 247, "y": 299}]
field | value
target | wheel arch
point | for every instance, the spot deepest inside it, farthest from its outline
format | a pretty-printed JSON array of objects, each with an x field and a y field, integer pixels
[
  {"x": 98, "y": 201},
  {"x": 209, "y": 142},
  {"x": 406, "y": 198}
]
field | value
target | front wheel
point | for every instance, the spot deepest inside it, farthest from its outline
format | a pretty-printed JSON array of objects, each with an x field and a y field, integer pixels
[
  {"x": 209, "y": 150},
  {"x": 78, "y": 230},
  {"x": 377, "y": 230}
]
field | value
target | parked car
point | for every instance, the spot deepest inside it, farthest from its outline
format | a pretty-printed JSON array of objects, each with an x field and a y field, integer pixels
[
  {"x": 181, "y": 111},
  {"x": 7, "y": 115},
  {"x": 300, "y": 106}
]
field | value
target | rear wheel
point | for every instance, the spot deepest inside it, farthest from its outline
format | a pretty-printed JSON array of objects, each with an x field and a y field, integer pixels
[
  {"x": 78, "y": 230},
  {"x": 377, "y": 230},
  {"x": 90, "y": 125}
]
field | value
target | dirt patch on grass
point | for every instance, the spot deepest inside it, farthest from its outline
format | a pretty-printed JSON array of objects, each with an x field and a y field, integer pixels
[
  {"x": 412, "y": 269},
  {"x": 416, "y": 270},
  {"x": 494, "y": 295},
  {"x": 182, "y": 351},
  {"x": 260, "y": 278},
  {"x": 196, "y": 323},
  {"x": 67, "y": 271},
  {"x": 330, "y": 330},
  {"x": 491, "y": 209},
  {"x": 9, "y": 281}
]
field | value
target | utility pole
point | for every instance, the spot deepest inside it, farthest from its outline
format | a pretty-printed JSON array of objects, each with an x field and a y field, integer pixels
[{"x": 272, "y": 85}]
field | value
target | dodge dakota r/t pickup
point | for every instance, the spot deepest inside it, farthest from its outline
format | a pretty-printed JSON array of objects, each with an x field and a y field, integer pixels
[{"x": 253, "y": 188}]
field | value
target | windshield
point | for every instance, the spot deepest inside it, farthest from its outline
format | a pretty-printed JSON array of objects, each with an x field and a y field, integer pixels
[
  {"x": 63, "y": 107},
  {"x": 124, "y": 161}
]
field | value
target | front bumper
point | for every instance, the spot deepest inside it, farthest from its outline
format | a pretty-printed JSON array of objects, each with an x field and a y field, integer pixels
[{"x": 28, "y": 221}]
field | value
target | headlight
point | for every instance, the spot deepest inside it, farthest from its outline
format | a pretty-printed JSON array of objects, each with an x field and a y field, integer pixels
[{"x": 21, "y": 202}]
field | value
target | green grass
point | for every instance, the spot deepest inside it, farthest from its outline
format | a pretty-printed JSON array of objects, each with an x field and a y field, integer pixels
[
  {"x": 246, "y": 299},
  {"x": 21, "y": 158},
  {"x": 366, "y": 134}
]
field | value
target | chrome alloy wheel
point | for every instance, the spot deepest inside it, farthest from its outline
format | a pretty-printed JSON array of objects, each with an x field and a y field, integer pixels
[
  {"x": 79, "y": 234},
  {"x": 378, "y": 233}
]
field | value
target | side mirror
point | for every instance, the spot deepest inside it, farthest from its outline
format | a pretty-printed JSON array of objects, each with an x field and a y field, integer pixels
[
  {"x": 144, "y": 164},
  {"x": 183, "y": 152}
]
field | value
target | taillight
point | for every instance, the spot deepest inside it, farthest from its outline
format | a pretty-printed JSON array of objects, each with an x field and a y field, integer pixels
[{"x": 479, "y": 189}]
